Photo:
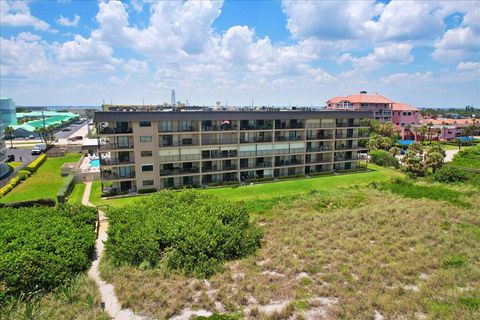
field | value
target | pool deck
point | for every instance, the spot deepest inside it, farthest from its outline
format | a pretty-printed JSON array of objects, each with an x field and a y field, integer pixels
[{"x": 85, "y": 166}]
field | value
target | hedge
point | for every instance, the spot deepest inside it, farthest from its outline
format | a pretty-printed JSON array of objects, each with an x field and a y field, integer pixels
[
  {"x": 148, "y": 190},
  {"x": 66, "y": 188},
  {"x": 185, "y": 230},
  {"x": 48, "y": 202},
  {"x": 42, "y": 248},
  {"x": 35, "y": 164}
]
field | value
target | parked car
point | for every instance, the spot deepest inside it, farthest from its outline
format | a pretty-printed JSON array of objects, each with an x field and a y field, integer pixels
[
  {"x": 31, "y": 136},
  {"x": 10, "y": 158},
  {"x": 67, "y": 129},
  {"x": 39, "y": 148},
  {"x": 75, "y": 138}
]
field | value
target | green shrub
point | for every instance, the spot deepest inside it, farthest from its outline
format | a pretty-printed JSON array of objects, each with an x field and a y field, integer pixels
[
  {"x": 383, "y": 158},
  {"x": 24, "y": 174},
  {"x": 448, "y": 174},
  {"x": 66, "y": 188},
  {"x": 10, "y": 185},
  {"x": 187, "y": 230},
  {"x": 42, "y": 248},
  {"x": 30, "y": 203},
  {"x": 148, "y": 190},
  {"x": 35, "y": 164},
  {"x": 468, "y": 158}
]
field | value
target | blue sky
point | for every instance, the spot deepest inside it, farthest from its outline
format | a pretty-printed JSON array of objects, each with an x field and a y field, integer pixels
[{"x": 425, "y": 53}]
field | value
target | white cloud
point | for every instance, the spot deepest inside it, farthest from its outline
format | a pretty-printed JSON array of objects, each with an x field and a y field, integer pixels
[
  {"x": 23, "y": 57},
  {"x": 135, "y": 66},
  {"x": 331, "y": 20},
  {"x": 69, "y": 23},
  {"x": 467, "y": 66},
  {"x": 405, "y": 79},
  {"x": 457, "y": 44},
  {"x": 17, "y": 14},
  {"x": 393, "y": 53}
]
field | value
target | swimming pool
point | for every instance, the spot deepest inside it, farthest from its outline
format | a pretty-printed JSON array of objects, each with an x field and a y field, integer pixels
[{"x": 94, "y": 163}]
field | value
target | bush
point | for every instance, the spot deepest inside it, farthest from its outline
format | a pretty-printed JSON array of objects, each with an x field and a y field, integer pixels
[
  {"x": 42, "y": 248},
  {"x": 468, "y": 158},
  {"x": 186, "y": 230},
  {"x": 11, "y": 184},
  {"x": 35, "y": 164},
  {"x": 66, "y": 188},
  {"x": 149, "y": 190},
  {"x": 384, "y": 158},
  {"x": 30, "y": 203},
  {"x": 260, "y": 179},
  {"x": 448, "y": 174},
  {"x": 24, "y": 174}
]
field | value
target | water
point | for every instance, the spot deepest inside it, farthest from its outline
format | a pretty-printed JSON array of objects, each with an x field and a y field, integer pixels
[{"x": 94, "y": 163}]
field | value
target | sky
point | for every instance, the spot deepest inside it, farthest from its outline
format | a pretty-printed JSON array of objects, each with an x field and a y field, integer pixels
[{"x": 271, "y": 53}]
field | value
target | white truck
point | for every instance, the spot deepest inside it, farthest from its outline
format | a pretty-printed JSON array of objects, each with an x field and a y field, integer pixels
[{"x": 39, "y": 148}]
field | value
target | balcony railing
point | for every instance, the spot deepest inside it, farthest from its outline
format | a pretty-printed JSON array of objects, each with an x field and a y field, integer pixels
[
  {"x": 345, "y": 147},
  {"x": 258, "y": 153},
  {"x": 193, "y": 142},
  {"x": 346, "y": 158},
  {"x": 290, "y": 151},
  {"x": 177, "y": 129},
  {"x": 257, "y": 166},
  {"x": 320, "y": 137},
  {"x": 219, "y": 168},
  {"x": 175, "y": 171},
  {"x": 264, "y": 127},
  {"x": 189, "y": 157},
  {"x": 219, "y": 128},
  {"x": 343, "y": 136},
  {"x": 285, "y": 125},
  {"x": 219, "y": 155},
  {"x": 287, "y": 138},
  {"x": 256, "y": 139},
  {"x": 219, "y": 141},
  {"x": 116, "y": 176},
  {"x": 283, "y": 163},
  {"x": 112, "y": 146},
  {"x": 313, "y": 161},
  {"x": 346, "y": 124},
  {"x": 319, "y": 149},
  {"x": 320, "y": 126},
  {"x": 108, "y": 130},
  {"x": 110, "y": 162}
]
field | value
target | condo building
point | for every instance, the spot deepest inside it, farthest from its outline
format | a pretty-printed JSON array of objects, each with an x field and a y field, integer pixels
[
  {"x": 378, "y": 105},
  {"x": 167, "y": 149}
]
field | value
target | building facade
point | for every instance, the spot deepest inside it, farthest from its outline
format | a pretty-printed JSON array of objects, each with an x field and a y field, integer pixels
[
  {"x": 8, "y": 112},
  {"x": 378, "y": 105},
  {"x": 4, "y": 169},
  {"x": 405, "y": 117},
  {"x": 166, "y": 149}
]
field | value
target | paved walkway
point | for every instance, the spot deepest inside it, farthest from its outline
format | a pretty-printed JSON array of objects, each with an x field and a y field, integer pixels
[
  {"x": 449, "y": 155},
  {"x": 107, "y": 291}
]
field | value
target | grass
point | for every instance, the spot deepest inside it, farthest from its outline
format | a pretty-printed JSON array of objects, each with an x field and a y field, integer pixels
[
  {"x": 42, "y": 184},
  {"x": 78, "y": 300},
  {"x": 331, "y": 254},
  {"x": 77, "y": 194},
  {"x": 262, "y": 196},
  {"x": 469, "y": 158},
  {"x": 15, "y": 164}
]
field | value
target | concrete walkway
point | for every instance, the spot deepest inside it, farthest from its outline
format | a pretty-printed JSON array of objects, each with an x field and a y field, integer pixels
[
  {"x": 449, "y": 155},
  {"x": 107, "y": 291}
]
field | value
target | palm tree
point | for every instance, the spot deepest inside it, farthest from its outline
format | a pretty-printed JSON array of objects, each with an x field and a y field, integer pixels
[
  {"x": 468, "y": 131},
  {"x": 9, "y": 132}
]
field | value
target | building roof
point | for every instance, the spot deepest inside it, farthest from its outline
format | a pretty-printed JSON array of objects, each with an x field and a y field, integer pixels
[
  {"x": 361, "y": 98},
  {"x": 398, "y": 106},
  {"x": 110, "y": 116},
  {"x": 460, "y": 122}
]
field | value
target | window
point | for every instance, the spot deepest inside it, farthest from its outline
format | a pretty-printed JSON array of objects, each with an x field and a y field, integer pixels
[
  {"x": 145, "y": 124},
  {"x": 147, "y": 183},
  {"x": 147, "y": 167},
  {"x": 145, "y": 138},
  {"x": 146, "y": 153}
]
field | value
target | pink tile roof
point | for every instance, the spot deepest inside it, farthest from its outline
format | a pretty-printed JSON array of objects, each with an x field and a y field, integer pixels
[
  {"x": 361, "y": 98},
  {"x": 467, "y": 121},
  {"x": 397, "y": 106}
]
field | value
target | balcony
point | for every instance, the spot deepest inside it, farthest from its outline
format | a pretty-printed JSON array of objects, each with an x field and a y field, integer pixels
[
  {"x": 113, "y": 161},
  {"x": 219, "y": 141},
  {"x": 337, "y": 159},
  {"x": 257, "y": 166},
  {"x": 179, "y": 158},
  {"x": 256, "y": 139},
  {"x": 257, "y": 153},
  {"x": 183, "y": 142},
  {"x": 178, "y": 129},
  {"x": 320, "y": 126},
  {"x": 220, "y": 155},
  {"x": 320, "y": 137},
  {"x": 290, "y": 151},
  {"x": 219, "y": 128},
  {"x": 116, "y": 176},
  {"x": 108, "y": 130},
  {"x": 285, "y": 138},
  {"x": 178, "y": 171},
  {"x": 319, "y": 149},
  {"x": 284, "y": 125},
  {"x": 114, "y": 146},
  {"x": 315, "y": 161},
  {"x": 292, "y": 162},
  {"x": 347, "y": 147},
  {"x": 219, "y": 168},
  {"x": 346, "y": 124},
  {"x": 343, "y": 136},
  {"x": 262, "y": 127}
]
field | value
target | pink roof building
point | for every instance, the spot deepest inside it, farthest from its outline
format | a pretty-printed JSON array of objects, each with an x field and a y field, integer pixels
[
  {"x": 378, "y": 104},
  {"x": 405, "y": 116}
]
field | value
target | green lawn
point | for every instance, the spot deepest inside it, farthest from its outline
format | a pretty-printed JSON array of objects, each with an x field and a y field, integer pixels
[
  {"x": 265, "y": 191},
  {"x": 77, "y": 194},
  {"x": 469, "y": 158},
  {"x": 42, "y": 184},
  {"x": 15, "y": 164}
]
